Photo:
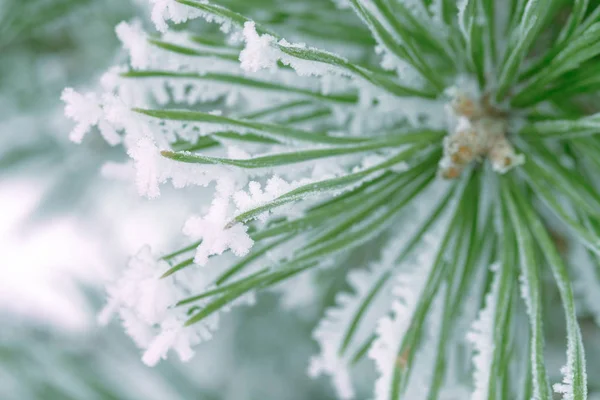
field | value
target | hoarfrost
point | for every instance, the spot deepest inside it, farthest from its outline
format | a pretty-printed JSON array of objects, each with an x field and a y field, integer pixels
[
  {"x": 481, "y": 335},
  {"x": 216, "y": 235}
]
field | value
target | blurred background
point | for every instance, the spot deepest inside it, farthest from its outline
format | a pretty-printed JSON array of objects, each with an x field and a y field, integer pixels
[{"x": 65, "y": 231}]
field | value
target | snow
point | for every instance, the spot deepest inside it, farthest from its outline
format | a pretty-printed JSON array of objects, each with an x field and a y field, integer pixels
[
  {"x": 424, "y": 363},
  {"x": 263, "y": 52},
  {"x": 146, "y": 158},
  {"x": 405, "y": 70},
  {"x": 143, "y": 300},
  {"x": 87, "y": 110},
  {"x": 259, "y": 52},
  {"x": 152, "y": 169},
  {"x": 145, "y": 303},
  {"x": 332, "y": 329},
  {"x": 391, "y": 329},
  {"x": 481, "y": 336},
  {"x": 84, "y": 109},
  {"x": 256, "y": 196},
  {"x": 462, "y": 8},
  {"x": 566, "y": 386},
  {"x": 165, "y": 10},
  {"x": 216, "y": 236},
  {"x": 140, "y": 289},
  {"x": 174, "y": 336},
  {"x": 135, "y": 41},
  {"x": 171, "y": 10}
]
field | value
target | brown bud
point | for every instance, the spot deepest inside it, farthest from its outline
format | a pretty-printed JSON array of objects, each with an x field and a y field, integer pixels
[{"x": 451, "y": 172}]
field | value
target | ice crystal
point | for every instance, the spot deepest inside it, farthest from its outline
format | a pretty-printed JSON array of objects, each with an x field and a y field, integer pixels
[{"x": 481, "y": 336}]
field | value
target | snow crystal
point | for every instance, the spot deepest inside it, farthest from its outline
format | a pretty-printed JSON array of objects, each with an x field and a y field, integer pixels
[
  {"x": 146, "y": 157},
  {"x": 436, "y": 9},
  {"x": 405, "y": 71},
  {"x": 140, "y": 289},
  {"x": 87, "y": 111},
  {"x": 481, "y": 335},
  {"x": 309, "y": 67},
  {"x": 462, "y": 8},
  {"x": 423, "y": 367},
  {"x": 165, "y": 10},
  {"x": 524, "y": 290},
  {"x": 174, "y": 336},
  {"x": 566, "y": 386},
  {"x": 263, "y": 52},
  {"x": 140, "y": 332},
  {"x": 171, "y": 10},
  {"x": 135, "y": 41},
  {"x": 416, "y": 7},
  {"x": 110, "y": 80},
  {"x": 144, "y": 302},
  {"x": 259, "y": 52},
  {"x": 216, "y": 236},
  {"x": 331, "y": 331},
  {"x": 84, "y": 109},
  {"x": 255, "y": 196},
  {"x": 409, "y": 285},
  {"x": 391, "y": 329},
  {"x": 153, "y": 169}
]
